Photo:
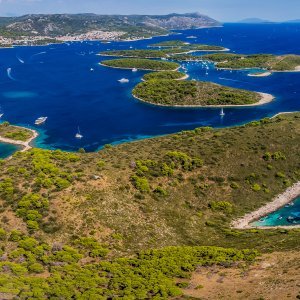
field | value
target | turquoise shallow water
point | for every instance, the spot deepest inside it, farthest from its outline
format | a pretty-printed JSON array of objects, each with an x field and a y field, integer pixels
[
  {"x": 7, "y": 149},
  {"x": 286, "y": 216}
]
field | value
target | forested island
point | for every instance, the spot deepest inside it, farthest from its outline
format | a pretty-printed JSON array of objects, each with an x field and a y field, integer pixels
[
  {"x": 264, "y": 61},
  {"x": 187, "y": 46},
  {"x": 165, "y": 75},
  {"x": 168, "y": 92},
  {"x": 141, "y": 64},
  {"x": 142, "y": 53},
  {"x": 86, "y": 225}
]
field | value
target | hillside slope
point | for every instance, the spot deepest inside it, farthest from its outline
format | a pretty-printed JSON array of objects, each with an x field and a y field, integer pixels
[{"x": 61, "y": 24}]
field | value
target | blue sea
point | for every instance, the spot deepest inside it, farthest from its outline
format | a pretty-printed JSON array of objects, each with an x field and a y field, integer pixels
[{"x": 56, "y": 81}]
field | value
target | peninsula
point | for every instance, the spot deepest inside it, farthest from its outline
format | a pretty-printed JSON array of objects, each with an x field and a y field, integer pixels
[
  {"x": 272, "y": 63},
  {"x": 17, "y": 135},
  {"x": 187, "y": 46}
]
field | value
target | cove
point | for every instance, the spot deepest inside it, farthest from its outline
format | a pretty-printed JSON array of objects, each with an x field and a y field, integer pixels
[{"x": 288, "y": 215}]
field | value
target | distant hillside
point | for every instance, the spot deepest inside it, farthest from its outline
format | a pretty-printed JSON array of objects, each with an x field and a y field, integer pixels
[
  {"x": 63, "y": 24},
  {"x": 293, "y": 21},
  {"x": 254, "y": 21}
]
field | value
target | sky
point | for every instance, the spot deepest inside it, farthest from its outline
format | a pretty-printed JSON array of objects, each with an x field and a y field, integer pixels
[{"x": 222, "y": 10}]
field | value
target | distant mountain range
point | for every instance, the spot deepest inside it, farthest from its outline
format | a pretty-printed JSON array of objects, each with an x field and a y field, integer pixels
[
  {"x": 254, "y": 21},
  {"x": 54, "y": 25},
  {"x": 262, "y": 21}
]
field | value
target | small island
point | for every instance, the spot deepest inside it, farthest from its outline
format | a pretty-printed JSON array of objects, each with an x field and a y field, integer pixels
[
  {"x": 168, "y": 92},
  {"x": 173, "y": 43},
  {"x": 165, "y": 75},
  {"x": 141, "y": 64},
  {"x": 187, "y": 46},
  {"x": 147, "y": 53},
  {"x": 268, "y": 62}
]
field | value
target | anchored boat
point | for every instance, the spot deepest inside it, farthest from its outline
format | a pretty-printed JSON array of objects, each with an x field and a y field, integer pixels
[
  {"x": 40, "y": 120},
  {"x": 124, "y": 80},
  {"x": 78, "y": 134}
]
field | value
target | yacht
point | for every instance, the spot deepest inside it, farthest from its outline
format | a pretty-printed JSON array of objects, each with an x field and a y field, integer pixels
[
  {"x": 134, "y": 70},
  {"x": 222, "y": 113},
  {"x": 124, "y": 80},
  {"x": 1, "y": 115},
  {"x": 78, "y": 135},
  {"x": 91, "y": 69},
  {"x": 40, "y": 120}
]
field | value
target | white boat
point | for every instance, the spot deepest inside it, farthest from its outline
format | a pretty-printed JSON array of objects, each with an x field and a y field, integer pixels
[
  {"x": 222, "y": 112},
  {"x": 134, "y": 70},
  {"x": 124, "y": 80},
  {"x": 191, "y": 37},
  {"x": 1, "y": 115},
  {"x": 40, "y": 120},
  {"x": 91, "y": 69},
  {"x": 78, "y": 135}
]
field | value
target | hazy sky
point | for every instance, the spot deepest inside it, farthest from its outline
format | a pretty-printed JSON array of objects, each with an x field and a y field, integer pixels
[{"x": 222, "y": 10}]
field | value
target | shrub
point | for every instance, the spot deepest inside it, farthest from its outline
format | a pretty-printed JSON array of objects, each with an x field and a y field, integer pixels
[
  {"x": 140, "y": 183},
  {"x": 32, "y": 225},
  {"x": 28, "y": 243},
  {"x": 234, "y": 185},
  {"x": 256, "y": 187},
  {"x": 221, "y": 206},
  {"x": 2, "y": 234},
  {"x": 160, "y": 192},
  {"x": 36, "y": 268},
  {"x": 280, "y": 175}
]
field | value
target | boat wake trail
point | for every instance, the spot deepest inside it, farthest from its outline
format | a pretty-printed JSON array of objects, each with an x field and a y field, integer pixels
[
  {"x": 9, "y": 74},
  {"x": 40, "y": 53},
  {"x": 20, "y": 59},
  {"x": 229, "y": 79}
]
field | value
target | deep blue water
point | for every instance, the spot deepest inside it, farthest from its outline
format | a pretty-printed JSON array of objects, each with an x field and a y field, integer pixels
[
  {"x": 56, "y": 81},
  {"x": 288, "y": 215},
  {"x": 7, "y": 150}
]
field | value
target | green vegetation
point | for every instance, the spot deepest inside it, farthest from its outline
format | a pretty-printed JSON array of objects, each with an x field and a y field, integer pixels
[
  {"x": 142, "y": 53},
  {"x": 36, "y": 270},
  {"x": 264, "y": 61},
  {"x": 143, "y": 64},
  {"x": 80, "y": 225},
  {"x": 187, "y": 46},
  {"x": 182, "y": 189},
  {"x": 14, "y": 132},
  {"x": 172, "y": 92},
  {"x": 175, "y": 43},
  {"x": 164, "y": 75}
]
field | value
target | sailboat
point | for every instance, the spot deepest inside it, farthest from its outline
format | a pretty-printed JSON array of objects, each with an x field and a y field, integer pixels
[
  {"x": 222, "y": 114},
  {"x": 78, "y": 134}
]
